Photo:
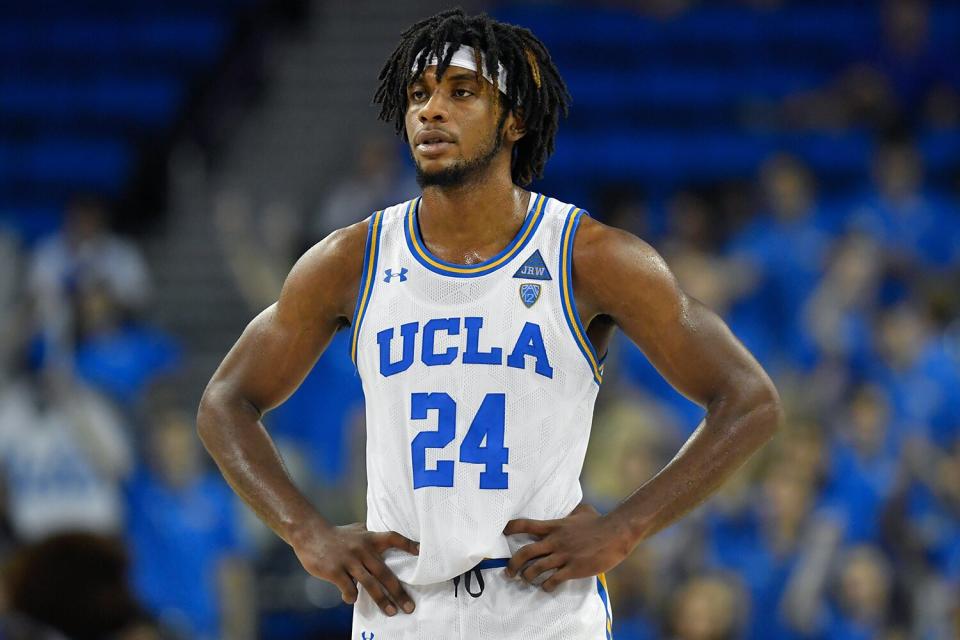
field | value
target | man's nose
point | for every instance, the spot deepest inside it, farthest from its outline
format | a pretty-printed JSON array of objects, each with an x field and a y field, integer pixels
[{"x": 435, "y": 109}]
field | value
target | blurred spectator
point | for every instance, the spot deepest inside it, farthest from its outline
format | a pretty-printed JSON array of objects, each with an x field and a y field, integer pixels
[
  {"x": 915, "y": 226},
  {"x": 783, "y": 251},
  {"x": 781, "y": 548},
  {"x": 376, "y": 179},
  {"x": 707, "y": 608},
  {"x": 119, "y": 358},
  {"x": 690, "y": 249},
  {"x": 188, "y": 554},
  {"x": 64, "y": 452},
  {"x": 917, "y": 372},
  {"x": 77, "y": 584},
  {"x": 915, "y": 65},
  {"x": 259, "y": 249},
  {"x": 934, "y": 511},
  {"x": 836, "y": 319},
  {"x": 864, "y": 465},
  {"x": 864, "y": 598},
  {"x": 85, "y": 252},
  {"x": 630, "y": 442}
]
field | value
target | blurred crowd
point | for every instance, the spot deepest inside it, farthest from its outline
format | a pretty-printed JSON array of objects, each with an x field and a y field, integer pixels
[
  {"x": 848, "y": 524},
  {"x": 113, "y": 524}
]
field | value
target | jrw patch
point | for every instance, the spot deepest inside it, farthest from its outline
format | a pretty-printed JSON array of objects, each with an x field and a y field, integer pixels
[{"x": 533, "y": 269}]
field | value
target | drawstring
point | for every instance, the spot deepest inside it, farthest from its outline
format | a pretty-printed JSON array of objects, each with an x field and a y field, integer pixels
[
  {"x": 488, "y": 563},
  {"x": 467, "y": 583}
]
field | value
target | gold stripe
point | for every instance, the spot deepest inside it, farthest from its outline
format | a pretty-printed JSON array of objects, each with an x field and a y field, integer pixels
[
  {"x": 609, "y": 606},
  {"x": 375, "y": 237},
  {"x": 501, "y": 260},
  {"x": 568, "y": 301}
]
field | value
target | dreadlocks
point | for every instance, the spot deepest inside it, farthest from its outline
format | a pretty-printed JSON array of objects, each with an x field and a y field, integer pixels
[{"x": 534, "y": 86}]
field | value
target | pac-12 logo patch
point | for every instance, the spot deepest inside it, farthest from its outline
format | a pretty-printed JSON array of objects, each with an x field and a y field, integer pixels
[{"x": 529, "y": 293}]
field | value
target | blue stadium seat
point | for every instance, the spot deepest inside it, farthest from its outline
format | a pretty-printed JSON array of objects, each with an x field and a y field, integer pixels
[
  {"x": 78, "y": 163},
  {"x": 81, "y": 83},
  {"x": 137, "y": 100}
]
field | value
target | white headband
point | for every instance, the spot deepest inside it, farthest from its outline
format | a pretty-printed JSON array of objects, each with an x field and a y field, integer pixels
[{"x": 466, "y": 57}]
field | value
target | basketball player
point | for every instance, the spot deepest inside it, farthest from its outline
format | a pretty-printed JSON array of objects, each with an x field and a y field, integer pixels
[{"x": 479, "y": 315}]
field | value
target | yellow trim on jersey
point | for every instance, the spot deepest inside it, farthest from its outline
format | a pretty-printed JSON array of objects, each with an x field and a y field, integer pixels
[
  {"x": 608, "y": 607},
  {"x": 518, "y": 244},
  {"x": 368, "y": 286},
  {"x": 568, "y": 302},
  {"x": 603, "y": 581}
]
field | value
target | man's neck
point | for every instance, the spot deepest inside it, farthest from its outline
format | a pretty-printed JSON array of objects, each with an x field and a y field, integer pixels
[{"x": 469, "y": 223}]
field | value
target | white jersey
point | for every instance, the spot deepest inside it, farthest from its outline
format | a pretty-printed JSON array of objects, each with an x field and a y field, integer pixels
[{"x": 480, "y": 384}]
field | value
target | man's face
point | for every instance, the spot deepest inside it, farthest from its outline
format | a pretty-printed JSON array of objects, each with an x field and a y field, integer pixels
[{"x": 452, "y": 126}]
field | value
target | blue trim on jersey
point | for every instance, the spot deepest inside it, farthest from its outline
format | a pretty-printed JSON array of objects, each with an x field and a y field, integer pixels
[
  {"x": 417, "y": 247},
  {"x": 567, "y": 300},
  {"x": 368, "y": 277},
  {"x": 606, "y": 608},
  {"x": 492, "y": 563}
]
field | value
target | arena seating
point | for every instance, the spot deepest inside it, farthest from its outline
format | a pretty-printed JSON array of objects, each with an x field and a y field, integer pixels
[
  {"x": 84, "y": 85},
  {"x": 659, "y": 110}
]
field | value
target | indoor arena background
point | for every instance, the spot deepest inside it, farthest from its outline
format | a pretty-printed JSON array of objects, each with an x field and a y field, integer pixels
[{"x": 164, "y": 162}]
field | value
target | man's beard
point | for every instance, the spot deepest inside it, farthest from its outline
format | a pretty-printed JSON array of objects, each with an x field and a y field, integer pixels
[{"x": 462, "y": 171}]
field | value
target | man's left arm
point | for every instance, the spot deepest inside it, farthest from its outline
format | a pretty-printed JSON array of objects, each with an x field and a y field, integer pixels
[{"x": 618, "y": 276}]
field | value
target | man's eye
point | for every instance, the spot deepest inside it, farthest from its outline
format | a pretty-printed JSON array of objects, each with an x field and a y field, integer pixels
[
  {"x": 462, "y": 93},
  {"x": 417, "y": 95}
]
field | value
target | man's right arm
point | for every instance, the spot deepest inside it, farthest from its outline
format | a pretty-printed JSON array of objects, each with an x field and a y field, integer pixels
[{"x": 270, "y": 360}]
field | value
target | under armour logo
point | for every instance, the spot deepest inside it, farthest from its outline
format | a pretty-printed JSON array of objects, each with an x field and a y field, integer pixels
[
  {"x": 363, "y": 634},
  {"x": 390, "y": 275}
]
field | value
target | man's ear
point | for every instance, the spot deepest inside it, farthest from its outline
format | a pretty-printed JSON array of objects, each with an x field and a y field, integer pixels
[{"x": 513, "y": 127}]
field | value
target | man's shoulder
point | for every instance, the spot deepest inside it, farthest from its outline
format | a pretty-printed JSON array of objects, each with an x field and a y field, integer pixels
[
  {"x": 607, "y": 257},
  {"x": 594, "y": 236},
  {"x": 332, "y": 268},
  {"x": 340, "y": 244}
]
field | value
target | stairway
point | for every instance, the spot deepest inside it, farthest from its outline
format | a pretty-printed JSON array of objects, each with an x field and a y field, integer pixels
[{"x": 291, "y": 147}]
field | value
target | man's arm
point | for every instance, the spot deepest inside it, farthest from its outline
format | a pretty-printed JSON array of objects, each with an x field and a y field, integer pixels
[
  {"x": 270, "y": 360},
  {"x": 618, "y": 276}
]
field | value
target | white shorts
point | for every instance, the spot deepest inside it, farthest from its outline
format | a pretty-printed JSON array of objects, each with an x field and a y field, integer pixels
[{"x": 484, "y": 604}]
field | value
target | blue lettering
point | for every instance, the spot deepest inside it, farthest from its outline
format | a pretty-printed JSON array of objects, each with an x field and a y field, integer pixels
[
  {"x": 429, "y": 356},
  {"x": 446, "y": 408},
  {"x": 530, "y": 343},
  {"x": 408, "y": 333},
  {"x": 472, "y": 354}
]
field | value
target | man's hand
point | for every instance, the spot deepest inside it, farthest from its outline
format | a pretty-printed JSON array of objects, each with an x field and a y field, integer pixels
[
  {"x": 351, "y": 554},
  {"x": 581, "y": 545}
]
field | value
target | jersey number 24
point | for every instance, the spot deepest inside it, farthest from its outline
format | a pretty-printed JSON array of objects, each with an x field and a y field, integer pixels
[{"x": 487, "y": 425}]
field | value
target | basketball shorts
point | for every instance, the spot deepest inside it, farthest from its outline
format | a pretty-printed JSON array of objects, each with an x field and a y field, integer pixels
[{"x": 485, "y": 604}]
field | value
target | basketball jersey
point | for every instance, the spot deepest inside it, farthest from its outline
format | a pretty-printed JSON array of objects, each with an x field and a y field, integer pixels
[{"x": 480, "y": 383}]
